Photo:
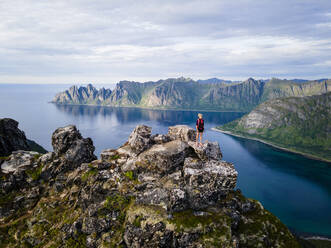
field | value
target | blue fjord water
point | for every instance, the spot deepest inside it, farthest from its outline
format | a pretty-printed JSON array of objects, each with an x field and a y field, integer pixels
[{"x": 294, "y": 188}]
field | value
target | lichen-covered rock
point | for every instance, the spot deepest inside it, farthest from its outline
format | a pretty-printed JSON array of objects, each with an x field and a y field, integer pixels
[
  {"x": 71, "y": 148},
  {"x": 164, "y": 158},
  {"x": 19, "y": 161},
  {"x": 165, "y": 194},
  {"x": 207, "y": 182},
  {"x": 108, "y": 155},
  {"x": 140, "y": 138},
  {"x": 207, "y": 151},
  {"x": 182, "y": 132},
  {"x": 160, "y": 138},
  {"x": 68, "y": 141}
]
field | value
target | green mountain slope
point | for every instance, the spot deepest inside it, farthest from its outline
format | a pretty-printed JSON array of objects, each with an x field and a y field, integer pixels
[
  {"x": 300, "y": 124},
  {"x": 277, "y": 88},
  {"x": 185, "y": 93}
]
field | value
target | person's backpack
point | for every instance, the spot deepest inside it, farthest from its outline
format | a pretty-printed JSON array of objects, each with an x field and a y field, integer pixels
[{"x": 200, "y": 125}]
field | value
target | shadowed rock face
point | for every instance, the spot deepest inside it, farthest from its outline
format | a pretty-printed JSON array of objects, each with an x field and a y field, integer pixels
[
  {"x": 154, "y": 191},
  {"x": 13, "y": 139},
  {"x": 68, "y": 141}
]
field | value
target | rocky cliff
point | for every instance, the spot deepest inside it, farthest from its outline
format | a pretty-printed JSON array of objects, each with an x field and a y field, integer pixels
[
  {"x": 12, "y": 139},
  {"x": 83, "y": 95},
  {"x": 154, "y": 191},
  {"x": 300, "y": 124},
  {"x": 185, "y": 93}
]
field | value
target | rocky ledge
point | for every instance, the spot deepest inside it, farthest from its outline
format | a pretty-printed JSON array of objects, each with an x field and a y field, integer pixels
[{"x": 154, "y": 191}]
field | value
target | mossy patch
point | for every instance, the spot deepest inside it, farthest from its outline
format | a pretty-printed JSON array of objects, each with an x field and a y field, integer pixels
[
  {"x": 262, "y": 221},
  {"x": 91, "y": 172},
  {"x": 35, "y": 173},
  {"x": 77, "y": 242},
  {"x": 116, "y": 202},
  {"x": 7, "y": 198},
  {"x": 137, "y": 221},
  {"x": 114, "y": 157},
  {"x": 37, "y": 156},
  {"x": 188, "y": 220},
  {"x": 130, "y": 175}
]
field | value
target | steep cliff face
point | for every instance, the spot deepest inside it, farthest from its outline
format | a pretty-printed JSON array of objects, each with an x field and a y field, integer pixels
[
  {"x": 174, "y": 94},
  {"x": 13, "y": 139},
  {"x": 242, "y": 96},
  {"x": 277, "y": 88},
  {"x": 185, "y": 93},
  {"x": 298, "y": 123},
  {"x": 154, "y": 191},
  {"x": 83, "y": 95}
]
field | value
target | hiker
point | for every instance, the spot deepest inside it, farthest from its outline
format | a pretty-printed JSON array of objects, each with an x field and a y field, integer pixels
[{"x": 200, "y": 128}]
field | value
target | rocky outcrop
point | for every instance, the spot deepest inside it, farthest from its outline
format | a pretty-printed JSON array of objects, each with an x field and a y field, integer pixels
[
  {"x": 13, "y": 139},
  {"x": 23, "y": 172},
  {"x": 139, "y": 139},
  {"x": 154, "y": 191},
  {"x": 185, "y": 93}
]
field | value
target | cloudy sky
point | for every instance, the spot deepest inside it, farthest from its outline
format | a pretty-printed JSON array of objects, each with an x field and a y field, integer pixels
[{"x": 103, "y": 41}]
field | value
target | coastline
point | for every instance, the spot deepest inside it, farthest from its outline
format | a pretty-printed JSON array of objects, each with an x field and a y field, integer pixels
[
  {"x": 149, "y": 108},
  {"x": 273, "y": 145}
]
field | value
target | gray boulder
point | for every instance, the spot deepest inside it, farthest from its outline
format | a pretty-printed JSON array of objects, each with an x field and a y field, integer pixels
[
  {"x": 164, "y": 158},
  {"x": 69, "y": 143},
  {"x": 182, "y": 132},
  {"x": 207, "y": 181},
  {"x": 208, "y": 150},
  {"x": 19, "y": 161},
  {"x": 140, "y": 138},
  {"x": 160, "y": 138}
]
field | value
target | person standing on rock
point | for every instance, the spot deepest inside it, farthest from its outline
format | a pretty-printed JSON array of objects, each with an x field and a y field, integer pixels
[{"x": 200, "y": 128}]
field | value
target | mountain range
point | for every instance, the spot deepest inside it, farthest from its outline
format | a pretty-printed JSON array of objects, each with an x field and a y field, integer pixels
[
  {"x": 185, "y": 93},
  {"x": 298, "y": 124}
]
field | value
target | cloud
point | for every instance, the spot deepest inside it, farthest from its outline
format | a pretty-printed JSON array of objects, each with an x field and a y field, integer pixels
[{"x": 106, "y": 41}]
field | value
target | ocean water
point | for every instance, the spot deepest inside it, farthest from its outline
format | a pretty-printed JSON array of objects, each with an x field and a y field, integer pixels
[{"x": 294, "y": 188}]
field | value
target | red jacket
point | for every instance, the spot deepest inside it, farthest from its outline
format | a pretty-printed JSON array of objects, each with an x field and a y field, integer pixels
[{"x": 200, "y": 125}]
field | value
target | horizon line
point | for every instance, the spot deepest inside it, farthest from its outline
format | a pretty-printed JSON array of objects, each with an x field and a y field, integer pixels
[{"x": 103, "y": 83}]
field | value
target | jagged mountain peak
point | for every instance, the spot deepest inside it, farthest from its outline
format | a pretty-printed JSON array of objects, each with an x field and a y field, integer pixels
[{"x": 185, "y": 93}]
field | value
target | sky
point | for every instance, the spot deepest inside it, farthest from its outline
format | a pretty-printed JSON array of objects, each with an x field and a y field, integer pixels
[{"x": 105, "y": 41}]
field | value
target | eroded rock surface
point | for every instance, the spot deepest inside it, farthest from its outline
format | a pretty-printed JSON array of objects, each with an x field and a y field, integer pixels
[
  {"x": 14, "y": 139},
  {"x": 182, "y": 132},
  {"x": 139, "y": 139},
  {"x": 154, "y": 191}
]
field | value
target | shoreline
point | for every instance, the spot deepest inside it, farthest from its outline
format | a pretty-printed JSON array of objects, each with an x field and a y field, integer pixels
[
  {"x": 148, "y": 108},
  {"x": 307, "y": 155},
  {"x": 317, "y": 238}
]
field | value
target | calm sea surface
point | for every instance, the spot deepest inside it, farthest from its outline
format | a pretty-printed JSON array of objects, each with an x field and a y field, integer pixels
[{"x": 294, "y": 188}]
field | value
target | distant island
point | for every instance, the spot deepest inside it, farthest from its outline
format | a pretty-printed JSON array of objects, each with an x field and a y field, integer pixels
[
  {"x": 184, "y": 93},
  {"x": 297, "y": 124}
]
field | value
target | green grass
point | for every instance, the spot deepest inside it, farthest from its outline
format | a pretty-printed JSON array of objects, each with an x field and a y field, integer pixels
[
  {"x": 130, "y": 175},
  {"x": 91, "y": 172},
  {"x": 35, "y": 172},
  {"x": 114, "y": 157}
]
